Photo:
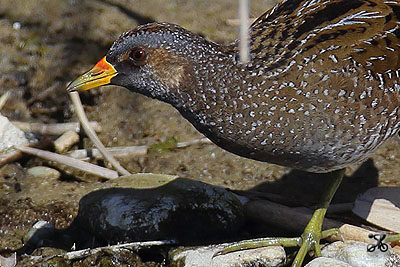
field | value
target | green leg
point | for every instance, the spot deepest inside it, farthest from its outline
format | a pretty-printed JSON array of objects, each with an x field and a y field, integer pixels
[{"x": 312, "y": 234}]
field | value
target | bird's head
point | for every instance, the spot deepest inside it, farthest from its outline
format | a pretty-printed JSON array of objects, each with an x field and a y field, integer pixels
[{"x": 153, "y": 59}]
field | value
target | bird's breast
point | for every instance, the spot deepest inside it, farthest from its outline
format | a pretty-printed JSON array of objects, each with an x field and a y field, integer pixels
[{"x": 311, "y": 120}]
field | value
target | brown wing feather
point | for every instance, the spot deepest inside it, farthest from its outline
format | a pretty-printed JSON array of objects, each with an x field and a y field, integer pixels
[
  {"x": 380, "y": 52},
  {"x": 366, "y": 30}
]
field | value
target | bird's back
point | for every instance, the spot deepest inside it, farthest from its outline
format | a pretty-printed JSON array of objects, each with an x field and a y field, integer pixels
[{"x": 322, "y": 89}]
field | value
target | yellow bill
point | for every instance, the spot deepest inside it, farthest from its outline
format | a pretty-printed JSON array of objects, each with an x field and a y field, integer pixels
[{"x": 100, "y": 74}]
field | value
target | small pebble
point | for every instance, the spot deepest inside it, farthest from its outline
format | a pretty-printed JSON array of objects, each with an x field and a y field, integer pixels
[
  {"x": 10, "y": 261},
  {"x": 44, "y": 172},
  {"x": 16, "y": 25},
  {"x": 39, "y": 231}
]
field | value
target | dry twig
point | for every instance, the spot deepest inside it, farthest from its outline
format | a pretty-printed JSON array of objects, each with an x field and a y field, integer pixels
[
  {"x": 79, "y": 254},
  {"x": 9, "y": 157},
  {"x": 131, "y": 246},
  {"x": 3, "y": 99},
  {"x": 128, "y": 151},
  {"x": 92, "y": 135},
  {"x": 118, "y": 152},
  {"x": 53, "y": 128},
  {"x": 236, "y": 22},
  {"x": 75, "y": 163},
  {"x": 201, "y": 141},
  {"x": 244, "y": 31}
]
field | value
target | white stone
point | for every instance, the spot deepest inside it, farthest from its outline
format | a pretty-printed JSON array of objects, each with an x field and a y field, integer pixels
[
  {"x": 204, "y": 257},
  {"x": 380, "y": 206},
  {"x": 327, "y": 262},
  {"x": 44, "y": 172},
  {"x": 10, "y": 135},
  {"x": 355, "y": 253}
]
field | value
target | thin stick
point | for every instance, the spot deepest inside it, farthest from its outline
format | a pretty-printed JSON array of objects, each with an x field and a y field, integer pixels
[
  {"x": 118, "y": 152},
  {"x": 75, "y": 163},
  {"x": 79, "y": 254},
  {"x": 53, "y": 128},
  {"x": 134, "y": 245},
  {"x": 129, "y": 151},
  {"x": 9, "y": 157},
  {"x": 244, "y": 30},
  {"x": 92, "y": 135},
  {"x": 200, "y": 141},
  {"x": 3, "y": 99},
  {"x": 236, "y": 22}
]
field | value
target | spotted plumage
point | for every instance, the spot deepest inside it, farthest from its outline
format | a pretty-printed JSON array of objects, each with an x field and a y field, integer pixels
[{"x": 321, "y": 90}]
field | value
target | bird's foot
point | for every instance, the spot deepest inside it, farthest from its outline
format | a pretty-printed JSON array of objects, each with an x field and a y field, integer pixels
[{"x": 308, "y": 241}]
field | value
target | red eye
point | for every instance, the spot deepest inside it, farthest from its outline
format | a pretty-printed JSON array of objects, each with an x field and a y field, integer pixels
[{"x": 138, "y": 55}]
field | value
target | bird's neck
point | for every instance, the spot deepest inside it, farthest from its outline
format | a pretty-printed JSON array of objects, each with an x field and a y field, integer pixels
[{"x": 214, "y": 74}]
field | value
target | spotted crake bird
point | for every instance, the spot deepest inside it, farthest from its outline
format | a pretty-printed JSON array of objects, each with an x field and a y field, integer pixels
[{"x": 320, "y": 92}]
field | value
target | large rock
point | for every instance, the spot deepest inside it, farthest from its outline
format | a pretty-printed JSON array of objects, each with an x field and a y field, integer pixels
[{"x": 183, "y": 209}]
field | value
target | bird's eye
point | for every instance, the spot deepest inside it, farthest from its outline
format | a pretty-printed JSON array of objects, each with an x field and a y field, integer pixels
[{"x": 138, "y": 55}]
